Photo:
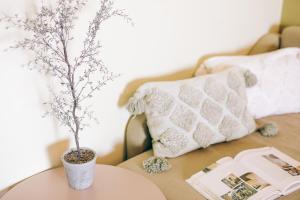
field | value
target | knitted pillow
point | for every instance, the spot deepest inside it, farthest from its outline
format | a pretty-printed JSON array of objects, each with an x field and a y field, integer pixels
[
  {"x": 188, "y": 114},
  {"x": 278, "y": 79}
]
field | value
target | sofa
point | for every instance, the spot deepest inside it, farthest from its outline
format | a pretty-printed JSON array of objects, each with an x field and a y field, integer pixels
[{"x": 172, "y": 183}]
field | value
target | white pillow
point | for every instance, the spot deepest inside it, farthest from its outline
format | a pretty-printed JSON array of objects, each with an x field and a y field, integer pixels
[
  {"x": 278, "y": 73},
  {"x": 188, "y": 114}
]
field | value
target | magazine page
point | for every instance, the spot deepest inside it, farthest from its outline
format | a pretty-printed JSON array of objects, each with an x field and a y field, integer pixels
[
  {"x": 231, "y": 180},
  {"x": 195, "y": 178},
  {"x": 274, "y": 166}
]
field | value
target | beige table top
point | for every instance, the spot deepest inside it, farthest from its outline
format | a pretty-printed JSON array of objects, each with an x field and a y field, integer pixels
[{"x": 111, "y": 183}]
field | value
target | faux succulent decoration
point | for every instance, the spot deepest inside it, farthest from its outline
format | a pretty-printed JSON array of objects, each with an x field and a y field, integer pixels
[{"x": 49, "y": 35}]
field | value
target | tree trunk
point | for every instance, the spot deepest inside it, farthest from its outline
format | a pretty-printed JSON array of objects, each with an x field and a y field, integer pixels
[
  {"x": 77, "y": 144},
  {"x": 75, "y": 121},
  {"x": 73, "y": 93}
]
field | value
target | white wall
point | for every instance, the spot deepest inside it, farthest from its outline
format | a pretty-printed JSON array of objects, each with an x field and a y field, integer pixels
[{"x": 166, "y": 42}]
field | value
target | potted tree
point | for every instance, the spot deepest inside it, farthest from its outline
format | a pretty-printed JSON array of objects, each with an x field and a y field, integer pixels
[{"x": 77, "y": 78}]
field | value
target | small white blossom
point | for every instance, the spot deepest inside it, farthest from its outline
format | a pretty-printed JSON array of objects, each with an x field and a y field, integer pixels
[{"x": 79, "y": 77}]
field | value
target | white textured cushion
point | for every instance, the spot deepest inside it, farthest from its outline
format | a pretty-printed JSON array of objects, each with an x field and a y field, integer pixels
[
  {"x": 188, "y": 114},
  {"x": 278, "y": 80}
]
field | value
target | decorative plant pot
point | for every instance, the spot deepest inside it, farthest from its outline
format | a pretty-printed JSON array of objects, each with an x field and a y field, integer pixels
[{"x": 80, "y": 176}]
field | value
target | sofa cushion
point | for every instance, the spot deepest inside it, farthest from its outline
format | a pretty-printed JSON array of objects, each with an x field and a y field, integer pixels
[
  {"x": 188, "y": 114},
  {"x": 278, "y": 79},
  {"x": 172, "y": 183}
]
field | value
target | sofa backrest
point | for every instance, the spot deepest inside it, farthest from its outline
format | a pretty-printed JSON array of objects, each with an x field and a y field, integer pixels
[
  {"x": 290, "y": 37},
  {"x": 266, "y": 43}
]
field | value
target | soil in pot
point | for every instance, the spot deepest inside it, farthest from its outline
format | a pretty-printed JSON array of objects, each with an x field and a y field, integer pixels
[{"x": 84, "y": 157}]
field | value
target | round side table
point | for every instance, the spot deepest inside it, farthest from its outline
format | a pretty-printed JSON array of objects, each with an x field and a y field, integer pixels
[{"x": 111, "y": 183}]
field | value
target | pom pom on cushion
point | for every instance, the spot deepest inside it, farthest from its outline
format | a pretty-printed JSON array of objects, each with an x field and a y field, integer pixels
[
  {"x": 250, "y": 79},
  {"x": 154, "y": 165},
  {"x": 136, "y": 104},
  {"x": 268, "y": 130}
]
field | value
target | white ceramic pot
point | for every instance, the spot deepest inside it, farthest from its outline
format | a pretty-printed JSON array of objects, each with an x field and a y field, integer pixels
[{"x": 80, "y": 176}]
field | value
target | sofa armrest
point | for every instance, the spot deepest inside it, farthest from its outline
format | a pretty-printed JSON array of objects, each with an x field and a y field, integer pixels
[
  {"x": 138, "y": 138},
  {"x": 269, "y": 42}
]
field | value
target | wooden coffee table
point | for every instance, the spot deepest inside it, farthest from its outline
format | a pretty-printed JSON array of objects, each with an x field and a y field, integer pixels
[{"x": 111, "y": 183}]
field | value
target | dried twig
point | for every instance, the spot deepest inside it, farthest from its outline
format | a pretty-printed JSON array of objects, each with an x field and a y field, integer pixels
[{"x": 80, "y": 77}]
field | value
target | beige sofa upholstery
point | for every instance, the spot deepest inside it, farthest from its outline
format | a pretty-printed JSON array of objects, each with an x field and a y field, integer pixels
[
  {"x": 172, "y": 183},
  {"x": 289, "y": 37}
]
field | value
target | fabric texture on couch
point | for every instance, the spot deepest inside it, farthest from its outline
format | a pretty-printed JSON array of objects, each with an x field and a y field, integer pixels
[{"x": 172, "y": 183}]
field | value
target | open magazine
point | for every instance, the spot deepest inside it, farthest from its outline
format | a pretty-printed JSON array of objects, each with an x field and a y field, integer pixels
[{"x": 263, "y": 173}]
